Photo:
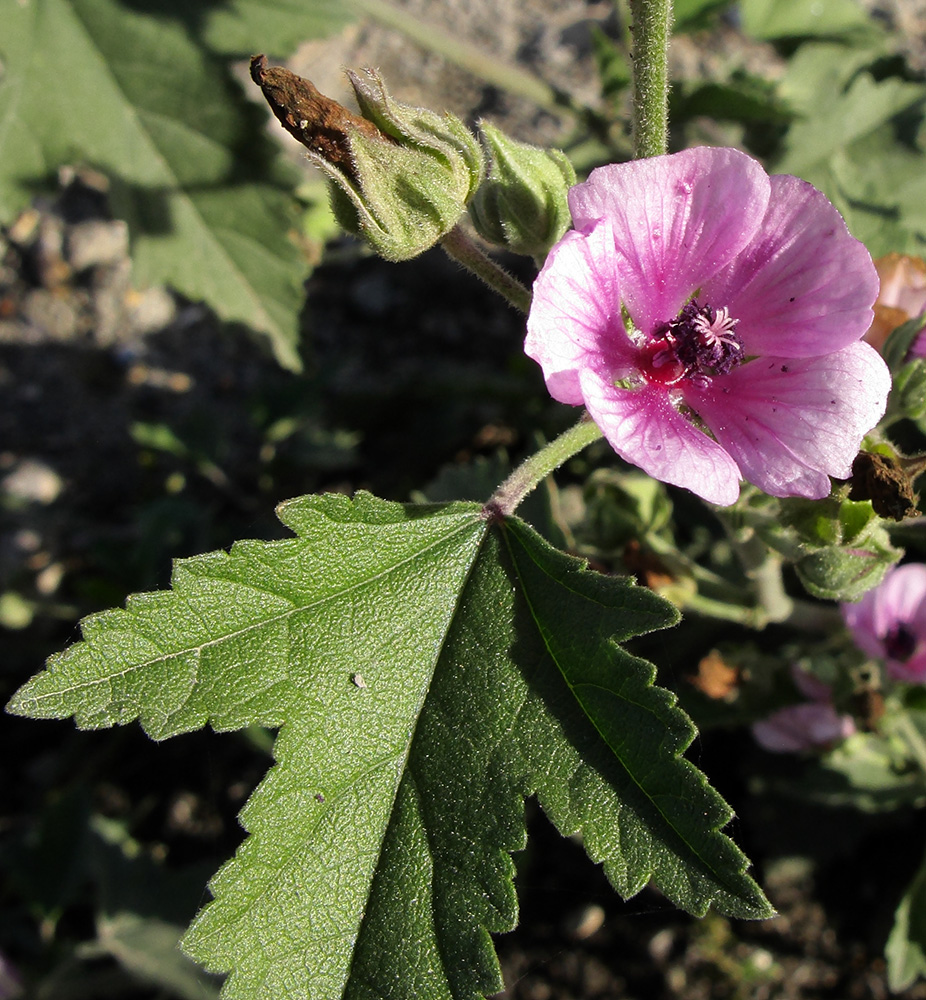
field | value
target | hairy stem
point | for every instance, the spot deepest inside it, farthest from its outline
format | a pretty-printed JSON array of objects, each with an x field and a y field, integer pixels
[
  {"x": 651, "y": 26},
  {"x": 535, "y": 469},
  {"x": 464, "y": 251}
]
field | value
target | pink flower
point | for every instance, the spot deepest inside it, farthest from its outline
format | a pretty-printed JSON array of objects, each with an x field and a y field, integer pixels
[
  {"x": 809, "y": 726},
  {"x": 889, "y": 622},
  {"x": 709, "y": 316},
  {"x": 901, "y": 298}
]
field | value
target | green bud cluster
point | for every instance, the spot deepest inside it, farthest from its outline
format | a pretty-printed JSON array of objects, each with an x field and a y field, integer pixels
[
  {"x": 840, "y": 547},
  {"x": 402, "y": 177}
]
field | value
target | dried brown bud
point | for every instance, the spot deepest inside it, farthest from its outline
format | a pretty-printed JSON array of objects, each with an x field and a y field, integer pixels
[
  {"x": 716, "y": 678},
  {"x": 883, "y": 481},
  {"x": 319, "y": 123},
  {"x": 400, "y": 176}
]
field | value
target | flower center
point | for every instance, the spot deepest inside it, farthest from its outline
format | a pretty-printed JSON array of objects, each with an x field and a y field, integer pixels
[
  {"x": 698, "y": 344},
  {"x": 900, "y": 643}
]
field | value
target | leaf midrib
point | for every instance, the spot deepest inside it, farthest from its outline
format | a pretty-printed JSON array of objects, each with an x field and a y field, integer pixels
[
  {"x": 197, "y": 650},
  {"x": 400, "y": 760},
  {"x": 405, "y": 770}
]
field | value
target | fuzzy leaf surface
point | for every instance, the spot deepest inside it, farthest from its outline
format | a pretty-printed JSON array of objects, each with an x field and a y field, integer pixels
[
  {"x": 428, "y": 672},
  {"x": 94, "y": 82},
  {"x": 769, "y": 19}
]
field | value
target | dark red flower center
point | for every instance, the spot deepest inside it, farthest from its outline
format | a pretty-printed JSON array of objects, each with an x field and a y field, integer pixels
[
  {"x": 698, "y": 344},
  {"x": 900, "y": 643}
]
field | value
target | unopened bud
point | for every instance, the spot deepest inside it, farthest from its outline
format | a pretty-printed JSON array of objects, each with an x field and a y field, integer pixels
[
  {"x": 840, "y": 547},
  {"x": 401, "y": 176},
  {"x": 522, "y": 205}
]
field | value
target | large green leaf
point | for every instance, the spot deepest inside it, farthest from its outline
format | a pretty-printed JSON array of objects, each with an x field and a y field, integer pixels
[
  {"x": 429, "y": 670},
  {"x": 92, "y": 81},
  {"x": 835, "y": 117}
]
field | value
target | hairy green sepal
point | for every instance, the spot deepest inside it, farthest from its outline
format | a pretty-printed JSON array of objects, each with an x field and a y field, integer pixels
[
  {"x": 840, "y": 547},
  {"x": 522, "y": 204},
  {"x": 408, "y": 189}
]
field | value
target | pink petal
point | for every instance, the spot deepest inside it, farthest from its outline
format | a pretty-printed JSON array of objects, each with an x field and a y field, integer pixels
[
  {"x": 677, "y": 220},
  {"x": 900, "y": 598},
  {"x": 913, "y": 670},
  {"x": 789, "y": 423},
  {"x": 860, "y": 620},
  {"x": 802, "y": 727},
  {"x": 810, "y": 686},
  {"x": 644, "y": 428},
  {"x": 804, "y": 286},
  {"x": 575, "y": 319}
]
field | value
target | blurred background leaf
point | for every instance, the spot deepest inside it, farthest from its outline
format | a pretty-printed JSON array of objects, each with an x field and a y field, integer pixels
[{"x": 208, "y": 199}]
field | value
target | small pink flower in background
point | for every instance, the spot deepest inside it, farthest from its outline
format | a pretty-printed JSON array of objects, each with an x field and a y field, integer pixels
[
  {"x": 889, "y": 622},
  {"x": 813, "y": 725},
  {"x": 709, "y": 317},
  {"x": 902, "y": 297}
]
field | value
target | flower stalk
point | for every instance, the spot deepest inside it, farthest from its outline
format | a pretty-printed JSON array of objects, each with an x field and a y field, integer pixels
[
  {"x": 652, "y": 21},
  {"x": 464, "y": 251},
  {"x": 535, "y": 469},
  {"x": 651, "y": 25}
]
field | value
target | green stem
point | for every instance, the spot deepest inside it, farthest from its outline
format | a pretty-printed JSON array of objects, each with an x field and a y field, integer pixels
[
  {"x": 717, "y": 597},
  {"x": 912, "y": 737},
  {"x": 764, "y": 569},
  {"x": 651, "y": 27},
  {"x": 770, "y": 588},
  {"x": 709, "y": 607},
  {"x": 811, "y": 616},
  {"x": 804, "y": 616},
  {"x": 535, "y": 469},
  {"x": 464, "y": 251}
]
